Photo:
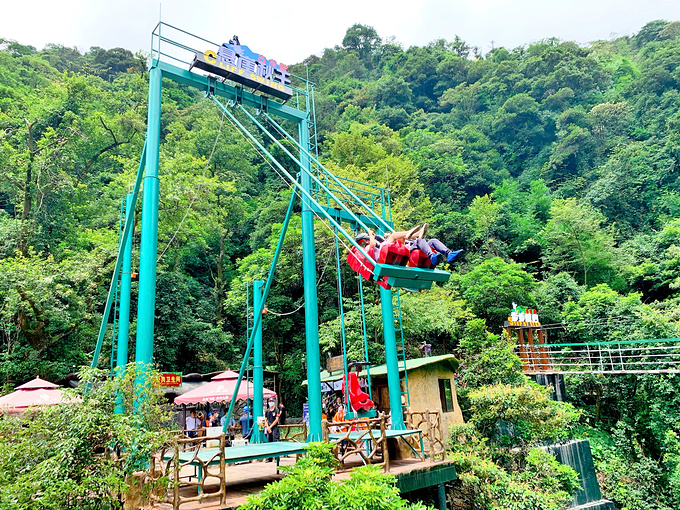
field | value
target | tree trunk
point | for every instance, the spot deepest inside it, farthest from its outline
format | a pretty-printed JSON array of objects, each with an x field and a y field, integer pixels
[
  {"x": 28, "y": 183},
  {"x": 219, "y": 282}
]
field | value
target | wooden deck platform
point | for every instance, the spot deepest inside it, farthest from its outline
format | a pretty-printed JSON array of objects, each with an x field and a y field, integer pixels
[{"x": 250, "y": 478}]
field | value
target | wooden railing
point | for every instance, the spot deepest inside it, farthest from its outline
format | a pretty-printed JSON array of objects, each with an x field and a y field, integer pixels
[
  {"x": 364, "y": 438},
  {"x": 295, "y": 432},
  {"x": 168, "y": 464},
  {"x": 430, "y": 422}
]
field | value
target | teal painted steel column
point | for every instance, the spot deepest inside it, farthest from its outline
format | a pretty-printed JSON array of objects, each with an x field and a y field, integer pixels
[
  {"x": 311, "y": 307},
  {"x": 258, "y": 372},
  {"x": 441, "y": 497},
  {"x": 148, "y": 250},
  {"x": 391, "y": 360},
  {"x": 124, "y": 310}
]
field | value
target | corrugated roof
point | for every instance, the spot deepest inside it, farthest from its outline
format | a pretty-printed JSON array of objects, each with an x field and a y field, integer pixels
[{"x": 380, "y": 370}]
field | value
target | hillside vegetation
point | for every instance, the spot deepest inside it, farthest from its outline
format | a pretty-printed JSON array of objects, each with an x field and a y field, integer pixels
[{"x": 556, "y": 166}]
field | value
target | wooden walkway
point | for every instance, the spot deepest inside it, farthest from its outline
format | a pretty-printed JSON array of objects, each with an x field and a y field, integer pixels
[{"x": 250, "y": 478}]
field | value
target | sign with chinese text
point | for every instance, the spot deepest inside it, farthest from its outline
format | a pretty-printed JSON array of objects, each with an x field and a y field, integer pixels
[
  {"x": 170, "y": 379},
  {"x": 527, "y": 317},
  {"x": 240, "y": 64}
]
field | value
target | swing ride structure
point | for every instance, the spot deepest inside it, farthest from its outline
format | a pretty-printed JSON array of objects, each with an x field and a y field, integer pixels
[
  {"x": 258, "y": 96},
  {"x": 338, "y": 203}
]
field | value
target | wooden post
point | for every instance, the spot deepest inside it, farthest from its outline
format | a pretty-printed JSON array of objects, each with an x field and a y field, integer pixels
[
  {"x": 383, "y": 435},
  {"x": 543, "y": 352},
  {"x": 223, "y": 472},
  {"x": 175, "y": 488},
  {"x": 526, "y": 363},
  {"x": 324, "y": 430},
  {"x": 532, "y": 350},
  {"x": 430, "y": 432}
]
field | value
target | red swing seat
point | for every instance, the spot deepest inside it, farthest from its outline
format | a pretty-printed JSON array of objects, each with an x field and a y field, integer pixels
[
  {"x": 358, "y": 398},
  {"x": 418, "y": 258},
  {"x": 395, "y": 254},
  {"x": 364, "y": 266}
]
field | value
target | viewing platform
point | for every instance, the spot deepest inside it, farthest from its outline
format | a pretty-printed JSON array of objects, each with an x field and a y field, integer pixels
[
  {"x": 223, "y": 477},
  {"x": 248, "y": 479}
]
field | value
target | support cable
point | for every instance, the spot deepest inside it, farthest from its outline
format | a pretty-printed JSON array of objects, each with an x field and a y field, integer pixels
[
  {"x": 296, "y": 187},
  {"x": 119, "y": 260},
  {"x": 341, "y": 308},
  {"x": 363, "y": 326},
  {"x": 198, "y": 189},
  {"x": 347, "y": 190}
]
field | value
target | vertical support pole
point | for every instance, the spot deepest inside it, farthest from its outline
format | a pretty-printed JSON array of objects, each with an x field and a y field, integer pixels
[
  {"x": 534, "y": 358},
  {"x": 258, "y": 372},
  {"x": 311, "y": 307},
  {"x": 391, "y": 360},
  {"x": 545, "y": 360},
  {"x": 149, "y": 236},
  {"x": 124, "y": 310},
  {"x": 441, "y": 497},
  {"x": 526, "y": 367}
]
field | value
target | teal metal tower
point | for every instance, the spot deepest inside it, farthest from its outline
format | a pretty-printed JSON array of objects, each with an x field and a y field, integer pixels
[{"x": 258, "y": 370}]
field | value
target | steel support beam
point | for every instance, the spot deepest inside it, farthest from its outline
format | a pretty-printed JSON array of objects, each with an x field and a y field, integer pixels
[
  {"x": 258, "y": 371},
  {"x": 149, "y": 235},
  {"x": 311, "y": 307},
  {"x": 391, "y": 360},
  {"x": 124, "y": 310}
]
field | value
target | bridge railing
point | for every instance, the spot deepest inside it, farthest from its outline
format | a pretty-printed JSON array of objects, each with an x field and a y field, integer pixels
[{"x": 613, "y": 357}]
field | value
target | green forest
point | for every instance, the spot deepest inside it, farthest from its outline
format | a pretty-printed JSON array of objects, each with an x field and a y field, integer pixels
[{"x": 554, "y": 165}]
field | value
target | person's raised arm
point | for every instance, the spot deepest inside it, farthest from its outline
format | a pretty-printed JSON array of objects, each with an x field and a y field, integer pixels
[{"x": 371, "y": 239}]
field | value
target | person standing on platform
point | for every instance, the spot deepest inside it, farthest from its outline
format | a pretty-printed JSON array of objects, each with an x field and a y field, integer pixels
[
  {"x": 282, "y": 414},
  {"x": 245, "y": 421},
  {"x": 192, "y": 424},
  {"x": 271, "y": 427},
  {"x": 213, "y": 419}
]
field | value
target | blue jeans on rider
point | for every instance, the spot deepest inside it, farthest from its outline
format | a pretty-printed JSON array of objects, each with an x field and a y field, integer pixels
[{"x": 429, "y": 247}]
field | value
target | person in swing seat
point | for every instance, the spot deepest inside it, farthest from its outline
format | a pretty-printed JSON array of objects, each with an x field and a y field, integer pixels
[{"x": 414, "y": 239}]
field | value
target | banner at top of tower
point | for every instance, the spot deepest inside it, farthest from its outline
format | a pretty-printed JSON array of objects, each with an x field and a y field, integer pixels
[{"x": 242, "y": 65}]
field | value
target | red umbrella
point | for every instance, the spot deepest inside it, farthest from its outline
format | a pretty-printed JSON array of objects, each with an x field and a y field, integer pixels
[
  {"x": 220, "y": 389},
  {"x": 37, "y": 392}
]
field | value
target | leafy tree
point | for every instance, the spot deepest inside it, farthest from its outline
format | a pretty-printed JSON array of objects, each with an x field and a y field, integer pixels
[
  {"x": 78, "y": 454},
  {"x": 308, "y": 484},
  {"x": 492, "y": 287},
  {"x": 362, "y": 38},
  {"x": 487, "y": 359},
  {"x": 575, "y": 240}
]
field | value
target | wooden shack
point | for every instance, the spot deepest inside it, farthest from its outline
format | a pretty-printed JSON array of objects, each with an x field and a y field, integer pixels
[{"x": 431, "y": 386}]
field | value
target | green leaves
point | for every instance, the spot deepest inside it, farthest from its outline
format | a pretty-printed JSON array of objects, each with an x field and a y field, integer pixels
[
  {"x": 576, "y": 241},
  {"x": 79, "y": 454},
  {"x": 308, "y": 485},
  {"x": 491, "y": 287}
]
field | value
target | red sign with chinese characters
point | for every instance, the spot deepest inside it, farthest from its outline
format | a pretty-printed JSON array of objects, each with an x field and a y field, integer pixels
[{"x": 170, "y": 379}]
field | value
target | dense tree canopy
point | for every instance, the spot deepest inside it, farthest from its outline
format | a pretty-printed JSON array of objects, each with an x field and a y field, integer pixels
[{"x": 555, "y": 166}]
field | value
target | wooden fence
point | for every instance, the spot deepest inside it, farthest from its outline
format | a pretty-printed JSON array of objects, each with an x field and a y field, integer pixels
[
  {"x": 430, "y": 422},
  {"x": 364, "y": 438}
]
